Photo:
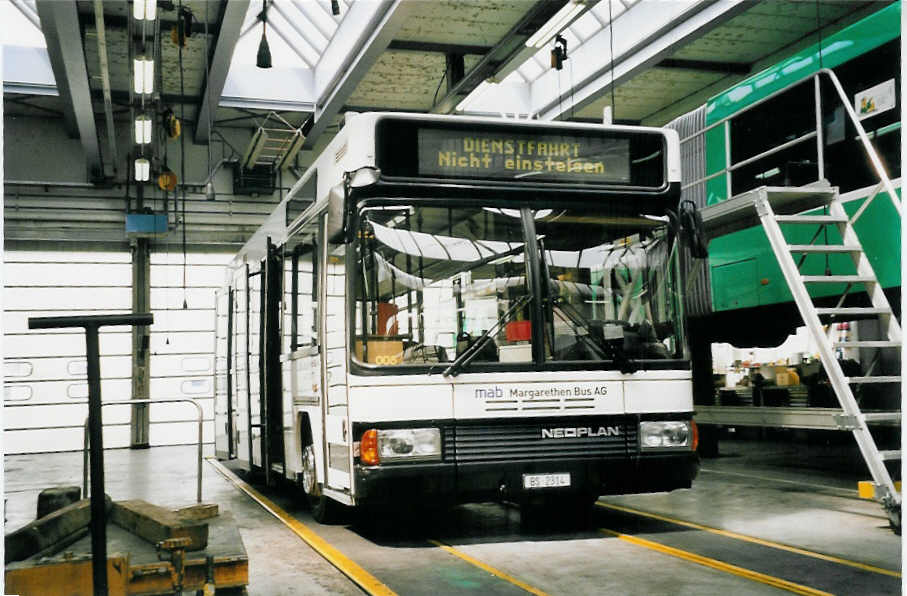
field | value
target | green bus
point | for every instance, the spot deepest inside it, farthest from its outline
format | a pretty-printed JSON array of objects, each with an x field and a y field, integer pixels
[{"x": 764, "y": 131}]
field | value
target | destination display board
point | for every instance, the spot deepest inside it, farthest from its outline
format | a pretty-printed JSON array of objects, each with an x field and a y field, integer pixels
[{"x": 523, "y": 155}]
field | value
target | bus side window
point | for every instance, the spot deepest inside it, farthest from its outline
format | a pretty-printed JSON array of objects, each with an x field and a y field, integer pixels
[
  {"x": 781, "y": 119},
  {"x": 305, "y": 296},
  {"x": 871, "y": 82}
]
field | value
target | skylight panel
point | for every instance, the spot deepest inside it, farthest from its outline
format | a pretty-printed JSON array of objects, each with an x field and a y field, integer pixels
[
  {"x": 278, "y": 23},
  {"x": 586, "y": 26},
  {"x": 299, "y": 24},
  {"x": 282, "y": 55},
  {"x": 601, "y": 9},
  {"x": 573, "y": 41},
  {"x": 17, "y": 30},
  {"x": 531, "y": 69},
  {"x": 319, "y": 14},
  {"x": 515, "y": 77}
]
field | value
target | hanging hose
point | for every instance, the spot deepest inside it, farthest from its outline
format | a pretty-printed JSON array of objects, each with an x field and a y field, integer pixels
[
  {"x": 686, "y": 224},
  {"x": 183, "y": 154},
  {"x": 693, "y": 230}
]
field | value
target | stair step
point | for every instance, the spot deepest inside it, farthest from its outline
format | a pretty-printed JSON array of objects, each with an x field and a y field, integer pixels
[
  {"x": 878, "y": 379},
  {"x": 890, "y": 454},
  {"x": 866, "y": 344},
  {"x": 824, "y": 248},
  {"x": 810, "y": 219},
  {"x": 853, "y": 310},
  {"x": 882, "y": 417},
  {"x": 849, "y": 279}
]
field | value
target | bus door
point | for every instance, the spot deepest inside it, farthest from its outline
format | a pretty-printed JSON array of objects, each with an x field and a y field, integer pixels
[
  {"x": 223, "y": 375},
  {"x": 335, "y": 412},
  {"x": 256, "y": 298},
  {"x": 240, "y": 397},
  {"x": 272, "y": 412}
]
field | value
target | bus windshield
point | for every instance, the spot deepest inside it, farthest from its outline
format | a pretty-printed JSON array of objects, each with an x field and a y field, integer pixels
[
  {"x": 610, "y": 287},
  {"x": 432, "y": 282}
]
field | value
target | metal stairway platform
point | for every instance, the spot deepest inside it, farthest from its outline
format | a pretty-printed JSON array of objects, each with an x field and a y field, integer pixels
[
  {"x": 739, "y": 212},
  {"x": 772, "y": 206}
]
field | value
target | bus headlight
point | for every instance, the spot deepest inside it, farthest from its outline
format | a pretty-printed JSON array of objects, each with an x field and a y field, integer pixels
[
  {"x": 412, "y": 444},
  {"x": 667, "y": 434}
]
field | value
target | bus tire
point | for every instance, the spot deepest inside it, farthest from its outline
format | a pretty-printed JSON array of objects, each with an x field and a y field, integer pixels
[{"x": 324, "y": 509}]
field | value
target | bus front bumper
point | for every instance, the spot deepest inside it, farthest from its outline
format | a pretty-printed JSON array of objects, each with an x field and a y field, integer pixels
[{"x": 444, "y": 483}]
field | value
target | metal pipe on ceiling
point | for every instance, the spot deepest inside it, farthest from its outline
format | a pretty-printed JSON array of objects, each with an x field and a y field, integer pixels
[
  {"x": 105, "y": 82},
  {"x": 27, "y": 12},
  {"x": 49, "y": 183}
]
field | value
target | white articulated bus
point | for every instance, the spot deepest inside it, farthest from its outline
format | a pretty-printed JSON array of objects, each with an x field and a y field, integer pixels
[{"x": 449, "y": 309}]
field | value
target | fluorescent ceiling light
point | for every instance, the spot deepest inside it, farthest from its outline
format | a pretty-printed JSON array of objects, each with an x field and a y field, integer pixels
[
  {"x": 473, "y": 97},
  {"x": 142, "y": 170},
  {"x": 144, "y": 9},
  {"x": 556, "y": 24},
  {"x": 143, "y": 130},
  {"x": 143, "y": 73}
]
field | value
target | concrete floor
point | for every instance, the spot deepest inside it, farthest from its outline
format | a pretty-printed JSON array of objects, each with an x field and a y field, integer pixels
[
  {"x": 166, "y": 476},
  {"x": 797, "y": 494}
]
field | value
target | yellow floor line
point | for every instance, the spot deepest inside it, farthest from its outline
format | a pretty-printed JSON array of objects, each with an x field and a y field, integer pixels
[
  {"x": 365, "y": 580},
  {"x": 489, "y": 569},
  {"x": 749, "y": 574},
  {"x": 753, "y": 539}
]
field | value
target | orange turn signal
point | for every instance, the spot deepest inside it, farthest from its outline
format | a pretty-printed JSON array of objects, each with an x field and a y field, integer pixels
[
  {"x": 368, "y": 448},
  {"x": 695, "y": 430}
]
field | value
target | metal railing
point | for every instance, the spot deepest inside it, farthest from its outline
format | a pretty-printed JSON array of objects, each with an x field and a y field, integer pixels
[
  {"x": 198, "y": 492},
  {"x": 130, "y": 402},
  {"x": 884, "y": 180}
]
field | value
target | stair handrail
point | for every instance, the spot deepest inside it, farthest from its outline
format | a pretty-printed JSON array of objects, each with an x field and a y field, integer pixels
[{"x": 868, "y": 148}]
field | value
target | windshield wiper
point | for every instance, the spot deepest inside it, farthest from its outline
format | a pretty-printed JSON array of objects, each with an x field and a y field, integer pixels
[
  {"x": 613, "y": 350},
  {"x": 600, "y": 348},
  {"x": 473, "y": 350}
]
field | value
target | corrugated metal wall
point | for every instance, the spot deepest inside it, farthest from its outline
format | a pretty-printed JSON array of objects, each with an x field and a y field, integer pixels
[
  {"x": 80, "y": 214},
  {"x": 692, "y": 163},
  {"x": 49, "y": 365}
]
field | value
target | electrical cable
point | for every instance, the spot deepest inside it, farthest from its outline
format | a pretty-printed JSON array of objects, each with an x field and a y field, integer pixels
[
  {"x": 434, "y": 100},
  {"x": 825, "y": 210},
  {"x": 207, "y": 90},
  {"x": 572, "y": 92},
  {"x": 819, "y": 29},
  {"x": 560, "y": 96},
  {"x": 180, "y": 39},
  {"x": 611, "y": 42}
]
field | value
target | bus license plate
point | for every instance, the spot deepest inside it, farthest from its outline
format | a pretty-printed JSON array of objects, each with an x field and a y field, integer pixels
[{"x": 531, "y": 481}]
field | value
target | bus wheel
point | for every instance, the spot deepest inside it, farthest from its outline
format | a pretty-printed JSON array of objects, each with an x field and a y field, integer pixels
[{"x": 324, "y": 509}]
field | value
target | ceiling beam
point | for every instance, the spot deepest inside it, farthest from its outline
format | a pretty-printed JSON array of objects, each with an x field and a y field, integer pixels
[
  {"x": 60, "y": 24},
  {"x": 231, "y": 21},
  {"x": 503, "y": 52},
  {"x": 705, "y": 66},
  {"x": 438, "y": 48},
  {"x": 198, "y": 27},
  {"x": 658, "y": 30},
  {"x": 351, "y": 54}
]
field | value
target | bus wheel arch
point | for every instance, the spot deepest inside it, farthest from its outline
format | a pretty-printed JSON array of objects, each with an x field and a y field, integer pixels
[
  {"x": 324, "y": 509},
  {"x": 309, "y": 475}
]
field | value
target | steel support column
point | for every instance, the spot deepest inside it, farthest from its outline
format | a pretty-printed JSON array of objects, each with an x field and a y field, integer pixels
[
  {"x": 141, "y": 335},
  {"x": 346, "y": 61},
  {"x": 228, "y": 35},
  {"x": 141, "y": 340},
  {"x": 60, "y": 25}
]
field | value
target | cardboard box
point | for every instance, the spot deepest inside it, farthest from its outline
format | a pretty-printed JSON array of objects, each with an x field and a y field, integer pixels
[{"x": 382, "y": 351}]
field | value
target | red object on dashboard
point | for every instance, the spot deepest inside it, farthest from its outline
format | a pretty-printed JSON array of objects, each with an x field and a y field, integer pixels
[{"x": 518, "y": 331}]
